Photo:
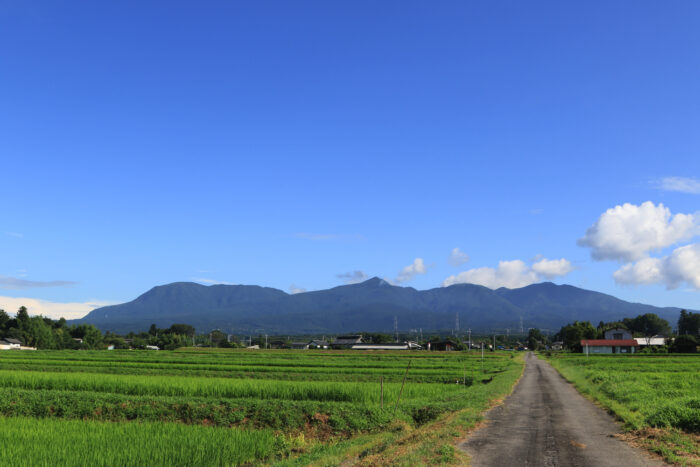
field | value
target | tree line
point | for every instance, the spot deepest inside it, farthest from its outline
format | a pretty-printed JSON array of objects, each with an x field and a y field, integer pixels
[{"x": 46, "y": 333}]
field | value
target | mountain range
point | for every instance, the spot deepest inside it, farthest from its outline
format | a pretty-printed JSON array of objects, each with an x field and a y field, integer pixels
[{"x": 367, "y": 306}]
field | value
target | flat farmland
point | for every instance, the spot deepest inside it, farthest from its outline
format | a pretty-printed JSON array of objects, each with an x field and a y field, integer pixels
[
  {"x": 232, "y": 407},
  {"x": 657, "y": 397}
]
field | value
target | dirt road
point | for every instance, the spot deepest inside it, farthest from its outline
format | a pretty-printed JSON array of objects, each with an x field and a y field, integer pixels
[{"x": 546, "y": 422}]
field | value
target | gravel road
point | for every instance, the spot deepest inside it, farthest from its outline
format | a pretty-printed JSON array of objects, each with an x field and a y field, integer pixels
[{"x": 546, "y": 422}]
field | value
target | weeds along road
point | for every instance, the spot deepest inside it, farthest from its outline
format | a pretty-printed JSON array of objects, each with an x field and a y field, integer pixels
[{"x": 546, "y": 422}]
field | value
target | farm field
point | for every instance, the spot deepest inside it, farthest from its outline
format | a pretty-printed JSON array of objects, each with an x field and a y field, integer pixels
[
  {"x": 657, "y": 397},
  {"x": 232, "y": 407}
]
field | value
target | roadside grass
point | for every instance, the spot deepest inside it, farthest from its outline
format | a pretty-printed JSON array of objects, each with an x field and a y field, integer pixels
[{"x": 656, "y": 397}]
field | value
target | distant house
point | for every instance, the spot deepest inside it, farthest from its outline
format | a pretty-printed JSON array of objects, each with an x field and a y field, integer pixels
[
  {"x": 597, "y": 346},
  {"x": 558, "y": 345},
  {"x": 253, "y": 347},
  {"x": 346, "y": 342},
  {"x": 152, "y": 347},
  {"x": 277, "y": 344},
  {"x": 316, "y": 344},
  {"x": 441, "y": 345},
  {"x": 9, "y": 343},
  {"x": 388, "y": 346},
  {"x": 300, "y": 345}
]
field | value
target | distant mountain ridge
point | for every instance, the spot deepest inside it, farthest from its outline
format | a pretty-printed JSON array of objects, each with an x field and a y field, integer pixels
[{"x": 366, "y": 306}]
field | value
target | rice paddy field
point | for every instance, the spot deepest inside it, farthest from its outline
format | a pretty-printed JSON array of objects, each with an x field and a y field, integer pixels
[
  {"x": 233, "y": 407},
  {"x": 657, "y": 397}
]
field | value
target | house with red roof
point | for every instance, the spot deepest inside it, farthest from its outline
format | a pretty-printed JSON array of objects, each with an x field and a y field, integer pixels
[{"x": 616, "y": 341}]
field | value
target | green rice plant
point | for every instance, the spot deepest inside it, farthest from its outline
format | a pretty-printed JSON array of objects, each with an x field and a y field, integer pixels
[{"x": 26, "y": 441}]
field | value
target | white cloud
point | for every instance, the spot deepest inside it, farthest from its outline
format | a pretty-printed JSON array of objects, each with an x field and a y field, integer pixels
[
  {"x": 15, "y": 283},
  {"x": 353, "y": 277},
  {"x": 411, "y": 271},
  {"x": 511, "y": 274},
  {"x": 54, "y": 310},
  {"x": 458, "y": 257},
  {"x": 205, "y": 280},
  {"x": 293, "y": 289},
  {"x": 551, "y": 268},
  {"x": 682, "y": 184},
  {"x": 681, "y": 266},
  {"x": 629, "y": 232},
  {"x": 14, "y": 234}
]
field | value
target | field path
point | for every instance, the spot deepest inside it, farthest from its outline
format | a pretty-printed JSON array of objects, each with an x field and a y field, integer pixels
[{"x": 546, "y": 422}]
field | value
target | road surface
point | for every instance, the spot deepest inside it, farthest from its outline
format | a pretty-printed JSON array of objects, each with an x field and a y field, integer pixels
[{"x": 546, "y": 422}]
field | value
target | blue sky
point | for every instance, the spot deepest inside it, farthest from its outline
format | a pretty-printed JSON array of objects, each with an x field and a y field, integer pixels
[{"x": 300, "y": 145}]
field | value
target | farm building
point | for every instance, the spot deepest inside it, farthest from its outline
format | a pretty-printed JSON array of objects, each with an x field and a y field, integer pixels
[
  {"x": 8, "y": 344},
  {"x": 346, "y": 342},
  {"x": 656, "y": 341},
  {"x": 441, "y": 345},
  {"x": 316, "y": 344},
  {"x": 299, "y": 345},
  {"x": 388, "y": 346},
  {"x": 558, "y": 345},
  {"x": 609, "y": 346}
]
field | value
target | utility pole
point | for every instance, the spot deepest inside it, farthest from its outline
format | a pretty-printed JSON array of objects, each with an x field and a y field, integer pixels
[
  {"x": 522, "y": 331},
  {"x": 470, "y": 340},
  {"x": 265, "y": 340},
  {"x": 396, "y": 328},
  {"x": 494, "y": 342},
  {"x": 457, "y": 322},
  {"x": 421, "y": 334}
]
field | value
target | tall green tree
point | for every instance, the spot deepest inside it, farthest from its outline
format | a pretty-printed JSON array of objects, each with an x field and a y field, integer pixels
[
  {"x": 573, "y": 333},
  {"x": 535, "y": 339},
  {"x": 689, "y": 323},
  {"x": 4, "y": 319},
  {"x": 648, "y": 325}
]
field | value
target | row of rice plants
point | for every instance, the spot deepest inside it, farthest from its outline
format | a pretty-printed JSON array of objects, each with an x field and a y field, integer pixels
[
  {"x": 49, "y": 442},
  {"x": 220, "y": 387},
  {"x": 340, "y": 417},
  {"x": 316, "y": 360}
]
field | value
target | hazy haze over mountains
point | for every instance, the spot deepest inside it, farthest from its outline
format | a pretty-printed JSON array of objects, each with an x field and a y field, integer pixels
[{"x": 367, "y": 306}]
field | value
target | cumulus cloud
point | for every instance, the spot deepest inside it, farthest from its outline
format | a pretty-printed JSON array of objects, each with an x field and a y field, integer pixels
[
  {"x": 681, "y": 266},
  {"x": 293, "y": 289},
  {"x": 54, "y": 310},
  {"x": 682, "y": 184},
  {"x": 353, "y": 277},
  {"x": 629, "y": 232},
  {"x": 411, "y": 271},
  {"x": 551, "y": 268},
  {"x": 14, "y": 283},
  {"x": 458, "y": 257},
  {"x": 511, "y": 274}
]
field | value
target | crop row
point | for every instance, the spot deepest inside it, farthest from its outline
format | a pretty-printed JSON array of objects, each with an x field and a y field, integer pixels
[
  {"x": 258, "y": 372},
  {"x": 221, "y": 387},
  {"x": 260, "y": 359},
  {"x": 48, "y": 442}
]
